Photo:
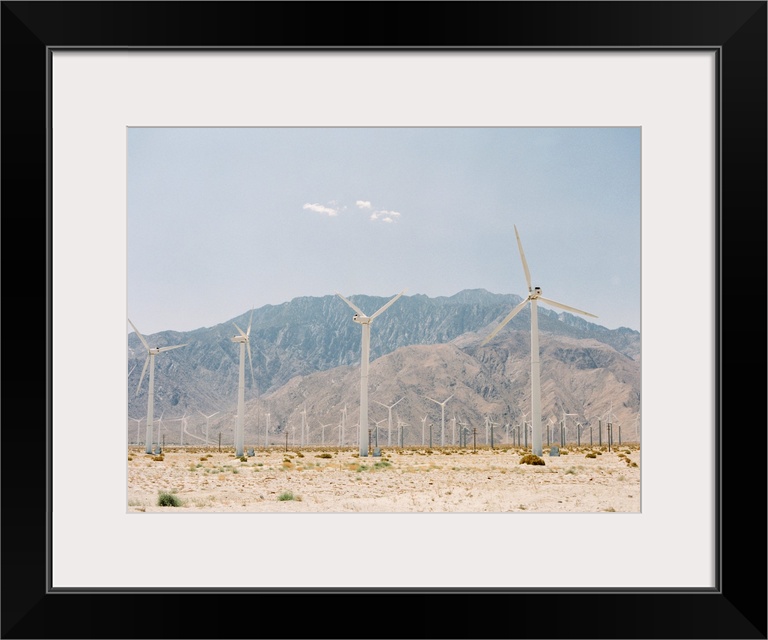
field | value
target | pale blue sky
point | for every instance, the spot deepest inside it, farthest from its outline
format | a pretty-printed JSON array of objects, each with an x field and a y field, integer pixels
[{"x": 224, "y": 219}]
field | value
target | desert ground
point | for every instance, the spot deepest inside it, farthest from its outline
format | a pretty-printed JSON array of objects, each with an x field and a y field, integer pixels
[{"x": 413, "y": 479}]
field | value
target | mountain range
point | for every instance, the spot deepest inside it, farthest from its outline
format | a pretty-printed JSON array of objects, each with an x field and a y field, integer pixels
[{"x": 306, "y": 373}]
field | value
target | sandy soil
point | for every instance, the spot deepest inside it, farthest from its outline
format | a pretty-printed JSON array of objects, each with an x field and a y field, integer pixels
[{"x": 332, "y": 480}]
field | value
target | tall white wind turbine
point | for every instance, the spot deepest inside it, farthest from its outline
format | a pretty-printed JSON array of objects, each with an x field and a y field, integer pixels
[
  {"x": 534, "y": 296},
  {"x": 150, "y": 363},
  {"x": 365, "y": 322},
  {"x": 389, "y": 424},
  {"x": 242, "y": 340},
  {"x": 442, "y": 417}
]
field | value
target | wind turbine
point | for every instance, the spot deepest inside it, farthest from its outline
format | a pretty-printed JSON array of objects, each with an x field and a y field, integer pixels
[
  {"x": 400, "y": 428},
  {"x": 207, "y": 418},
  {"x": 138, "y": 424},
  {"x": 150, "y": 362},
  {"x": 242, "y": 340},
  {"x": 182, "y": 420},
  {"x": 609, "y": 421},
  {"x": 365, "y": 322},
  {"x": 442, "y": 418},
  {"x": 322, "y": 433},
  {"x": 389, "y": 424},
  {"x": 534, "y": 296},
  {"x": 462, "y": 433},
  {"x": 342, "y": 425},
  {"x": 423, "y": 425},
  {"x": 376, "y": 432},
  {"x": 304, "y": 424},
  {"x": 564, "y": 434},
  {"x": 266, "y": 432},
  {"x": 159, "y": 429},
  {"x": 492, "y": 424},
  {"x": 550, "y": 430}
]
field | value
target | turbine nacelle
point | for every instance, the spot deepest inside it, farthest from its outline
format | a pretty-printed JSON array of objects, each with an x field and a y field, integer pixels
[
  {"x": 536, "y": 293},
  {"x": 240, "y": 339},
  {"x": 361, "y": 319}
]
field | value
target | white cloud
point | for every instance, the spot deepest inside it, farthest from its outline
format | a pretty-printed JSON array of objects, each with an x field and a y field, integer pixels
[
  {"x": 363, "y": 204},
  {"x": 318, "y": 208},
  {"x": 385, "y": 216}
]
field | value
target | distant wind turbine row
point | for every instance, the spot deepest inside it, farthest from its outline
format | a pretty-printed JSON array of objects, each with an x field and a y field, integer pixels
[{"x": 243, "y": 339}]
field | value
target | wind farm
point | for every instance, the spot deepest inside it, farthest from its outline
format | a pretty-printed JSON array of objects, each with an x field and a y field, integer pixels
[
  {"x": 462, "y": 365},
  {"x": 308, "y": 433}
]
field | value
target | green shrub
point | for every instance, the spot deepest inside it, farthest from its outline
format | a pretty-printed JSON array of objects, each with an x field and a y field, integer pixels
[
  {"x": 324, "y": 455},
  {"x": 168, "y": 499},
  {"x": 286, "y": 495},
  {"x": 591, "y": 454}
]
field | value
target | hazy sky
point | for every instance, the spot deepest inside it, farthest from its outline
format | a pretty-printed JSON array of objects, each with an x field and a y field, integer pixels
[{"x": 224, "y": 219}]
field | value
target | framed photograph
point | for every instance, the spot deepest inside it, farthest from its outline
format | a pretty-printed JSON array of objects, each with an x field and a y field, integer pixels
[{"x": 82, "y": 81}]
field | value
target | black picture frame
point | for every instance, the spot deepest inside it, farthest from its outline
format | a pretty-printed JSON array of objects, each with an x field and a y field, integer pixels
[{"x": 736, "y": 608}]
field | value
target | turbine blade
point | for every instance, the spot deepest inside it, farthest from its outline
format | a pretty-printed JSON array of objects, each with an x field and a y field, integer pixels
[
  {"x": 250, "y": 321},
  {"x": 177, "y": 346},
  {"x": 350, "y": 304},
  {"x": 386, "y": 306},
  {"x": 566, "y": 307},
  {"x": 403, "y": 398},
  {"x": 240, "y": 330},
  {"x": 141, "y": 337},
  {"x": 511, "y": 315},
  {"x": 381, "y": 403},
  {"x": 448, "y": 398},
  {"x": 143, "y": 371},
  {"x": 433, "y": 400},
  {"x": 522, "y": 257}
]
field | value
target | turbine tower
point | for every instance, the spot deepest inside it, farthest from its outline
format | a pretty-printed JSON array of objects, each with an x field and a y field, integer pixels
[
  {"x": 242, "y": 340},
  {"x": 442, "y": 417},
  {"x": 342, "y": 425},
  {"x": 365, "y": 322},
  {"x": 534, "y": 296},
  {"x": 150, "y": 362},
  {"x": 389, "y": 424}
]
